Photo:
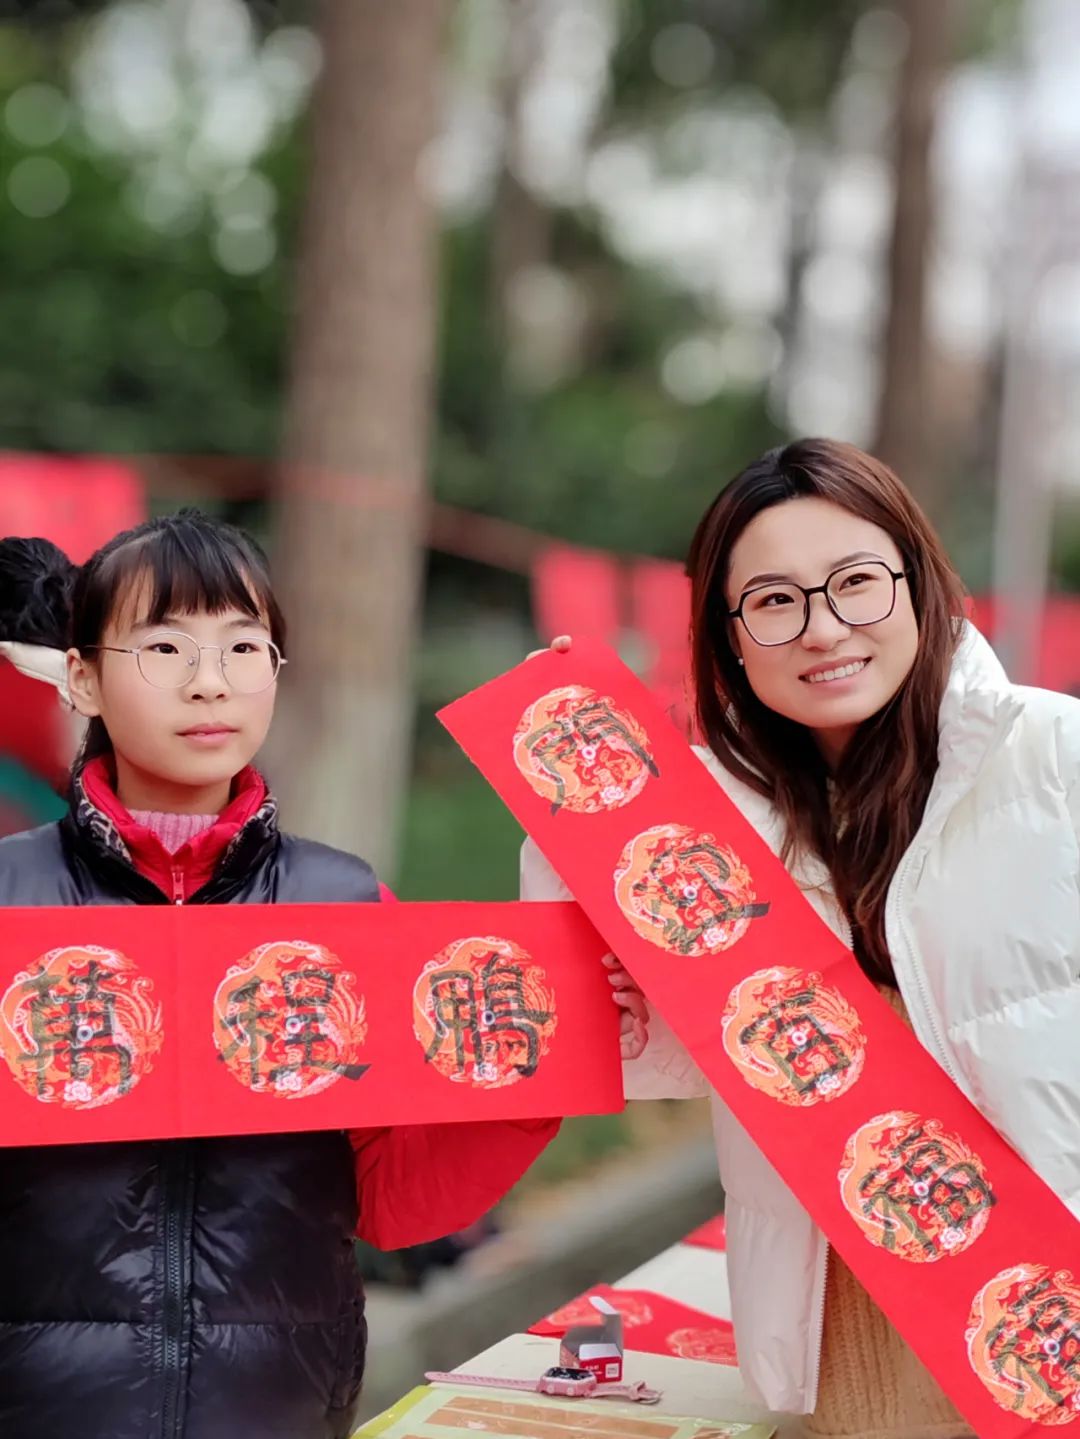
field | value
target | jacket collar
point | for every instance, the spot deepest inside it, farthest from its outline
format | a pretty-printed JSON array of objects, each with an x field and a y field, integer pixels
[
  {"x": 223, "y": 854},
  {"x": 978, "y": 710}
]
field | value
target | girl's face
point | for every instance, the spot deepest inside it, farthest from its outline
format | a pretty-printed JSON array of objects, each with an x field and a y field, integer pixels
[
  {"x": 803, "y": 541},
  {"x": 175, "y": 748}
]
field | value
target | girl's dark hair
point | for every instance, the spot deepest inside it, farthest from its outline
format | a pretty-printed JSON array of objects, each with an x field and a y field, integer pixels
[
  {"x": 187, "y": 561},
  {"x": 36, "y": 580},
  {"x": 880, "y": 788}
]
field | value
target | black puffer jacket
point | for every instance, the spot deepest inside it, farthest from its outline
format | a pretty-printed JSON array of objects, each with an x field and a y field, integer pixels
[{"x": 191, "y": 1289}]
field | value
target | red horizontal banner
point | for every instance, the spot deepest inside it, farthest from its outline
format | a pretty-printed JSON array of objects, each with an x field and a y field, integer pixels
[
  {"x": 137, "y": 1023},
  {"x": 968, "y": 1252}
]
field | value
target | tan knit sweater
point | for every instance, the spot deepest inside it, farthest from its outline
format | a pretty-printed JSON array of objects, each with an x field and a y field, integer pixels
[{"x": 872, "y": 1384}]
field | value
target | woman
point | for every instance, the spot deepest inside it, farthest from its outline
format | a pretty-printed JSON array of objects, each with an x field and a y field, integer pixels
[{"x": 930, "y": 812}]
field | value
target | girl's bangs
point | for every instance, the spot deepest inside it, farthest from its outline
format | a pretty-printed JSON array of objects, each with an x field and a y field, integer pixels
[{"x": 170, "y": 573}]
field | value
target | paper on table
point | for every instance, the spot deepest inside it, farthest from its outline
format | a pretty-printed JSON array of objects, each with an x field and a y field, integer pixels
[{"x": 449, "y": 1412}]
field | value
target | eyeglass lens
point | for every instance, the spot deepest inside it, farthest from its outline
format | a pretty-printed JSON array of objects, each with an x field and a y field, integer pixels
[
  {"x": 170, "y": 661},
  {"x": 859, "y": 595}
]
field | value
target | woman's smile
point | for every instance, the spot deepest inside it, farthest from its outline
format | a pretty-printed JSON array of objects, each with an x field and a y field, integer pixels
[{"x": 835, "y": 672}]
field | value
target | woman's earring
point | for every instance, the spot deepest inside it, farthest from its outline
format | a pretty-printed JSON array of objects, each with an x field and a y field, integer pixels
[{"x": 741, "y": 661}]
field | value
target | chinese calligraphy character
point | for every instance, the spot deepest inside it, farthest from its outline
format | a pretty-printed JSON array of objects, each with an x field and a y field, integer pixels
[
  {"x": 914, "y": 1188},
  {"x": 684, "y": 891},
  {"x": 802, "y": 1048},
  {"x": 580, "y": 752},
  {"x": 793, "y": 1037},
  {"x": 487, "y": 1017},
  {"x": 288, "y": 1022},
  {"x": 80, "y": 1027},
  {"x": 1044, "y": 1334}
]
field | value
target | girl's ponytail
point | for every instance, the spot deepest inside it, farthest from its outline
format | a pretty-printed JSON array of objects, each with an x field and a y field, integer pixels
[{"x": 36, "y": 584}]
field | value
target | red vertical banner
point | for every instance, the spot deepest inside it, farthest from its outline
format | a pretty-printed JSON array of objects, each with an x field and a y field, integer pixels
[
  {"x": 77, "y": 501},
  {"x": 576, "y": 591},
  {"x": 1058, "y": 661},
  {"x": 660, "y": 596},
  {"x": 966, "y": 1250}
]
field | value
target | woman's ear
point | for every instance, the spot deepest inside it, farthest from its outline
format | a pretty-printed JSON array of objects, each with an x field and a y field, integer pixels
[{"x": 83, "y": 685}]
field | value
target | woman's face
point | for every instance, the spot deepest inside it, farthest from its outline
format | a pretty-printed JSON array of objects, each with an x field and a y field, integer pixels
[{"x": 834, "y": 675}]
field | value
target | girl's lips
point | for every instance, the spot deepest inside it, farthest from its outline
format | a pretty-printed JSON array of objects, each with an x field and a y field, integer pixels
[{"x": 208, "y": 734}]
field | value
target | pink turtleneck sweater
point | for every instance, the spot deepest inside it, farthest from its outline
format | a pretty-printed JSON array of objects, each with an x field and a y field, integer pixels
[{"x": 173, "y": 830}]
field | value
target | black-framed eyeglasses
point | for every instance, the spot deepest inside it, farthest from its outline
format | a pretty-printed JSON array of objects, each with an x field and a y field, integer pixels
[
  {"x": 858, "y": 594},
  {"x": 169, "y": 660}
]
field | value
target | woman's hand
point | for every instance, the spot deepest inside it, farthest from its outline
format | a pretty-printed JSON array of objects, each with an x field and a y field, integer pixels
[
  {"x": 633, "y": 1011},
  {"x": 560, "y": 644}
]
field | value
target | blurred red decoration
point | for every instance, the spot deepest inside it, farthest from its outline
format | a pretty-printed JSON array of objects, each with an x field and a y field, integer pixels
[
  {"x": 79, "y": 503},
  {"x": 592, "y": 595}
]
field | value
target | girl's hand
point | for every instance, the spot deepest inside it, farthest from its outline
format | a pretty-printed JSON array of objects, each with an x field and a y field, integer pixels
[
  {"x": 560, "y": 644},
  {"x": 633, "y": 1011}
]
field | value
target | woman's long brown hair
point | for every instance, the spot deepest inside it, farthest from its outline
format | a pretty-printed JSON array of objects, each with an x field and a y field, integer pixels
[{"x": 880, "y": 788}]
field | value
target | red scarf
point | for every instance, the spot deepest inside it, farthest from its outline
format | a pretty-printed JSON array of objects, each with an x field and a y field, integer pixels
[{"x": 177, "y": 875}]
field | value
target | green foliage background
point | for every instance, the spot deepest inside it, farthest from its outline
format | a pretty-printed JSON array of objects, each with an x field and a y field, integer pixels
[{"x": 105, "y": 347}]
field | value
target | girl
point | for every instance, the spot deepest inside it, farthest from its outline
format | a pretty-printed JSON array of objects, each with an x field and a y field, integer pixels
[
  {"x": 194, "y": 1288},
  {"x": 930, "y": 812}
]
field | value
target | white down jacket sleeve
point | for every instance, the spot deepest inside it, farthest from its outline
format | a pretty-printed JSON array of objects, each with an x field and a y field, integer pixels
[{"x": 665, "y": 1070}]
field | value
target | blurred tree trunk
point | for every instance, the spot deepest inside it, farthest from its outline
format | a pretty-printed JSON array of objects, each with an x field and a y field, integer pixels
[
  {"x": 521, "y": 227},
  {"x": 905, "y": 413},
  {"x": 351, "y": 495}
]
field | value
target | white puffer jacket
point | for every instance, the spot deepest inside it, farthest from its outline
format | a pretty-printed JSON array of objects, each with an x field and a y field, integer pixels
[{"x": 983, "y": 924}]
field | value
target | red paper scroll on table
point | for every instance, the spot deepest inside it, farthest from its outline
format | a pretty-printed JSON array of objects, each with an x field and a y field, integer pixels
[
  {"x": 652, "y": 1324},
  {"x": 139, "y": 1023},
  {"x": 971, "y": 1256}
]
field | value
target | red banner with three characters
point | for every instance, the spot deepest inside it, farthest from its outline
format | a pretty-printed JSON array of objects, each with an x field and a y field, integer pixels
[
  {"x": 136, "y": 1023},
  {"x": 966, "y": 1250}
]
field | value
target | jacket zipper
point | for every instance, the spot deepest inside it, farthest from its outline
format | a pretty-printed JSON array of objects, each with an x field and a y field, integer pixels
[
  {"x": 819, "y": 1325},
  {"x": 177, "y": 885},
  {"x": 176, "y": 1182}
]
